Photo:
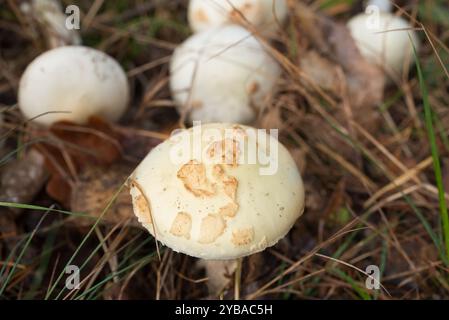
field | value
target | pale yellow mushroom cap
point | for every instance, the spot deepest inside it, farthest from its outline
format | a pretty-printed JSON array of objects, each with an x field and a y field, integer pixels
[{"x": 218, "y": 191}]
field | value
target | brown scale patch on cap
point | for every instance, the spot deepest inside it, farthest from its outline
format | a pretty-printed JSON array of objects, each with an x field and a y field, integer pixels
[
  {"x": 234, "y": 15},
  {"x": 181, "y": 225},
  {"x": 229, "y": 183},
  {"x": 212, "y": 226},
  {"x": 140, "y": 203},
  {"x": 193, "y": 175},
  {"x": 253, "y": 87},
  {"x": 230, "y": 187},
  {"x": 242, "y": 237},
  {"x": 218, "y": 171},
  {"x": 224, "y": 151},
  {"x": 229, "y": 210},
  {"x": 200, "y": 15}
]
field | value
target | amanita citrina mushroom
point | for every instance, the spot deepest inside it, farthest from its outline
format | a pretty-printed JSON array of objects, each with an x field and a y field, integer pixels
[
  {"x": 218, "y": 191},
  {"x": 265, "y": 15},
  {"x": 222, "y": 75},
  {"x": 383, "y": 38},
  {"x": 73, "y": 83}
]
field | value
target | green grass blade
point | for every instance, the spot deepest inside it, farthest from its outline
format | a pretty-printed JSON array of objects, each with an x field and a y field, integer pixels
[
  {"x": 11, "y": 273},
  {"x": 141, "y": 263},
  {"x": 435, "y": 155},
  {"x": 38, "y": 278},
  {"x": 353, "y": 283},
  {"x": 39, "y": 208},
  {"x": 53, "y": 287}
]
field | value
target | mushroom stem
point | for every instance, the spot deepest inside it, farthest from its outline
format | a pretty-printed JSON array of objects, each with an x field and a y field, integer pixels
[
  {"x": 238, "y": 278},
  {"x": 219, "y": 274}
]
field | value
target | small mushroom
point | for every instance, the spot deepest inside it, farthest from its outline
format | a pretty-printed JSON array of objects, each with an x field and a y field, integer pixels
[
  {"x": 222, "y": 75},
  {"x": 384, "y": 39},
  {"x": 266, "y": 15},
  {"x": 218, "y": 191},
  {"x": 49, "y": 15},
  {"x": 73, "y": 83}
]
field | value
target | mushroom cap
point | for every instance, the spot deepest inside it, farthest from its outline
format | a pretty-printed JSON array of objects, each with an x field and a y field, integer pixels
[
  {"x": 265, "y": 15},
  {"x": 77, "y": 80},
  {"x": 222, "y": 75},
  {"x": 386, "y": 43},
  {"x": 202, "y": 195}
]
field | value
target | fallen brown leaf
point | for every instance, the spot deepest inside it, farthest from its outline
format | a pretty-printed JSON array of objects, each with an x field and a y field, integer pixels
[
  {"x": 74, "y": 147},
  {"x": 95, "y": 189}
]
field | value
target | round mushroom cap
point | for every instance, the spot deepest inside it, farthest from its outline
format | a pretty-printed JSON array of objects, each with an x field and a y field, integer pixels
[
  {"x": 218, "y": 191},
  {"x": 222, "y": 75},
  {"x": 74, "y": 83},
  {"x": 265, "y": 15},
  {"x": 386, "y": 43}
]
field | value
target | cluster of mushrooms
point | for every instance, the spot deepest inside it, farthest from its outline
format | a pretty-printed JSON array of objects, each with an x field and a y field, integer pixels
[
  {"x": 205, "y": 206},
  {"x": 222, "y": 75}
]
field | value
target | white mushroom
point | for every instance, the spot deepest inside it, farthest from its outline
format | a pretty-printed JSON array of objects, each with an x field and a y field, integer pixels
[
  {"x": 218, "y": 191},
  {"x": 73, "y": 83},
  {"x": 51, "y": 18},
  {"x": 266, "y": 15},
  {"x": 384, "y": 39},
  {"x": 222, "y": 75}
]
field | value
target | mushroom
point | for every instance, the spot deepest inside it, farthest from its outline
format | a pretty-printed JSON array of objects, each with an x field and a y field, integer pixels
[
  {"x": 73, "y": 83},
  {"x": 51, "y": 19},
  {"x": 222, "y": 75},
  {"x": 383, "y": 38},
  {"x": 218, "y": 191},
  {"x": 265, "y": 15}
]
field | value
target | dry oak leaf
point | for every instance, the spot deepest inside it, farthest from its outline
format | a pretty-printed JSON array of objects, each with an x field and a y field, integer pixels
[{"x": 71, "y": 147}]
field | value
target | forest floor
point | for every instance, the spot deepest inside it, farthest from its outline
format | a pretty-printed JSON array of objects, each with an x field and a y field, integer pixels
[{"x": 375, "y": 165}]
